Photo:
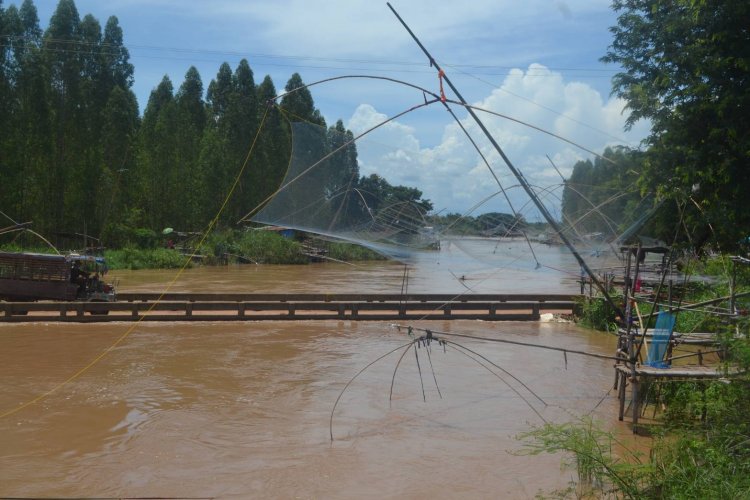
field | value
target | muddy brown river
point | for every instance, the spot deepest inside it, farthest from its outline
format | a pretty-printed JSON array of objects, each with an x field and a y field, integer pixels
[{"x": 243, "y": 410}]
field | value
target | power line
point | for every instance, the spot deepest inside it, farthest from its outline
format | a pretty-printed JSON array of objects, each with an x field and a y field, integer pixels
[{"x": 484, "y": 69}]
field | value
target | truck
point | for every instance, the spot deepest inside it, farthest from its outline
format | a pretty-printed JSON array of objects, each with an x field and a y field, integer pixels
[{"x": 28, "y": 277}]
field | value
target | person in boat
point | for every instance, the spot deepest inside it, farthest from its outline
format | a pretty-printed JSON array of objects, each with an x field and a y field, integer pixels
[{"x": 78, "y": 276}]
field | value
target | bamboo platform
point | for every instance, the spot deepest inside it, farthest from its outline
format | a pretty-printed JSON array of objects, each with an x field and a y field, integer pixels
[
  {"x": 641, "y": 375},
  {"x": 263, "y": 307}
]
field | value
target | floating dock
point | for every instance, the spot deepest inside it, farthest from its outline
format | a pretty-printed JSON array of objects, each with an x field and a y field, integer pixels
[{"x": 263, "y": 307}]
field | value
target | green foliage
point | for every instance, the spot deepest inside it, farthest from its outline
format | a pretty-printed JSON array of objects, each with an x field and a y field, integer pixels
[
  {"x": 596, "y": 313},
  {"x": 77, "y": 158},
  {"x": 601, "y": 472},
  {"x": 701, "y": 451},
  {"x": 686, "y": 67},
  {"x": 267, "y": 247},
  {"x": 137, "y": 258},
  {"x": 349, "y": 252},
  {"x": 682, "y": 464},
  {"x": 261, "y": 247},
  {"x": 601, "y": 196},
  {"x": 692, "y": 466},
  {"x": 129, "y": 232},
  {"x": 299, "y": 104}
]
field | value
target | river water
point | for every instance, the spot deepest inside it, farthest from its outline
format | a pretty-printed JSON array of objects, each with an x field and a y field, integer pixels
[{"x": 243, "y": 410}]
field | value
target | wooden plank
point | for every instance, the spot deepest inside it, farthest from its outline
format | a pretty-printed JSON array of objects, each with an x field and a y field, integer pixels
[{"x": 688, "y": 371}]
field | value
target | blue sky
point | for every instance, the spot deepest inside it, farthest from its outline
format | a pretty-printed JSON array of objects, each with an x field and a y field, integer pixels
[{"x": 536, "y": 60}]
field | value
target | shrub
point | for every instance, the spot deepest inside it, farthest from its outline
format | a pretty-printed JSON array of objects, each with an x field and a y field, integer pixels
[{"x": 596, "y": 313}]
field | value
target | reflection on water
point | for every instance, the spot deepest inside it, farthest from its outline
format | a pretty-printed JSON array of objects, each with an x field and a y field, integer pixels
[{"x": 238, "y": 410}]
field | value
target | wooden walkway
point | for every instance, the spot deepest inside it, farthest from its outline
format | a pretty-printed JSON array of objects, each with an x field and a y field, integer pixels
[{"x": 261, "y": 307}]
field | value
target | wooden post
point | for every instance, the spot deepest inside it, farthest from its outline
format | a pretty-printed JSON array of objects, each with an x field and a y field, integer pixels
[
  {"x": 621, "y": 396},
  {"x": 636, "y": 405},
  {"x": 732, "y": 286},
  {"x": 632, "y": 347}
]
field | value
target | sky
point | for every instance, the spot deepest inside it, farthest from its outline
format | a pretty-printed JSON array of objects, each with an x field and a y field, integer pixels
[{"x": 536, "y": 61}]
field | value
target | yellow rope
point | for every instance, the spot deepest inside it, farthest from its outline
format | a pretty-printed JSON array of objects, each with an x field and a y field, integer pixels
[{"x": 158, "y": 300}]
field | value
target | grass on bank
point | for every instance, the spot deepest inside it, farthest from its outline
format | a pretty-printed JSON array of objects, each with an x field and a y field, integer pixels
[{"x": 146, "y": 250}]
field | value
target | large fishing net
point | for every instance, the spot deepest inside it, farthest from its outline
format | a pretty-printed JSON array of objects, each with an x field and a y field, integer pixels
[{"x": 325, "y": 192}]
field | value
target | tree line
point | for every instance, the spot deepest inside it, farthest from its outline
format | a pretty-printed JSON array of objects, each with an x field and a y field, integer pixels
[
  {"x": 76, "y": 156},
  {"x": 686, "y": 68}
]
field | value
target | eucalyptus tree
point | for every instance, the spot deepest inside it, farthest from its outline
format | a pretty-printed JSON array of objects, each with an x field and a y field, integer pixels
[
  {"x": 341, "y": 176},
  {"x": 214, "y": 162},
  {"x": 61, "y": 44},
  {"x": 155, "y": 164},
  {"x": 30, "y": 148},
  {"x": 274, "y": 145},
  {"x": 298, "y": 102},
  {"x": 242, "y": 127},
  {"x": 117, "y": 189},
  {"x": 309, "y": 144},
  {"x": 189, "y": 123}
]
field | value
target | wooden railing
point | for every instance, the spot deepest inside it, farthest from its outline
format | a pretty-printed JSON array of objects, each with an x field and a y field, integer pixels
[{"x": 255, "y": 307}]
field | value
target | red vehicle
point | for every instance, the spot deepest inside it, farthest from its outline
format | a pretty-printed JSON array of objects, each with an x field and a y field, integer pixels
[{"x": 33, "y": 276}]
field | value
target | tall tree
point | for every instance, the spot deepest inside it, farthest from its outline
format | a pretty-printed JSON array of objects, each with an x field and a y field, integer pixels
[
  {"x": 155, "y": 165},
  {"x": 309, "y": 145},
  {"x": 214, "y": 159},
  {"x": 298, "y": 102},
  {"x": 687, "y": 69},
  {"x": 61, "y": 43},
  {"x": 26, "y": 146},
  {"x": 190, "y": 120},
  {"x": 116, "y": 188},
  {"x": 219, "y": 93},
  {"x": 242, "y": 126},
  {"x": 274, "y": 148},
  {"x": 116, "y": 67},
  {"x": 342, "y": 176},
  {"x": 602, "y": 196}
]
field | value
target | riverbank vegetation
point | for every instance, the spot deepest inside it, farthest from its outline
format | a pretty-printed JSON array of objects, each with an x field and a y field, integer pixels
[
  {"x": 695, "y": 164},
  {"x": 701, "y": 438},
  {"x": 147, "y": 250}
]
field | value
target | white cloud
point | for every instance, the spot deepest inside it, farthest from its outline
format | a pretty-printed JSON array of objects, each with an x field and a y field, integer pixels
[{"x": 453, "y": 175}]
